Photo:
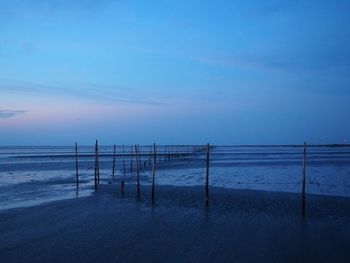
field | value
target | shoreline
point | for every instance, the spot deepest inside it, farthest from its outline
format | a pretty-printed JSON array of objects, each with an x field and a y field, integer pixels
[{"x": 218, "y": 196}]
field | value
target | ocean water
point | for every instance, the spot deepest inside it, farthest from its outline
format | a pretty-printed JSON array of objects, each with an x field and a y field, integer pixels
[{"x": 32, "y": 175}]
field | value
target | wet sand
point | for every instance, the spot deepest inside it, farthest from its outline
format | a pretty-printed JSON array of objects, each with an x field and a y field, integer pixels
[{"x": 239, "y": 226}]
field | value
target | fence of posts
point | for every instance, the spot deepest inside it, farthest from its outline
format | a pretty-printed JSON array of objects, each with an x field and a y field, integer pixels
[
  {"x": 166, "y": 153},
  {"x": 303, "y": 199}
]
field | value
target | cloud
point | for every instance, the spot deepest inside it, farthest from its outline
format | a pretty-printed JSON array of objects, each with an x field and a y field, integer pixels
[
  {"x": 6, "y": 114},
  {"x": 85, "y": 91},
  {"x": 295, "y": 61}
]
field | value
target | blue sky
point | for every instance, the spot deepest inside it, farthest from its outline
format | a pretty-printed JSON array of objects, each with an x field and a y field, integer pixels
[{"x": 226, "y": 72}]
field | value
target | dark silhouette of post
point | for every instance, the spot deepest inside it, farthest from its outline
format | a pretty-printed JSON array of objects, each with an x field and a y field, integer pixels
[
  {"x": 165, "y": 151},
  {"x": 131, "y": 155},
  {"x": 95, "y": 179},
  {"x": 207, "y": 177},
  {"x": 153, "y": 170},
  {"x": 150, "y": 155},
  {"x": 98, "y": 164},
  {"x": 122, "y": 182},
  {"x": 139, "y": 159},
  {"x": 113, "y": 167},
  {"x": 303, "y": 199},
  {"x": 137, "y": 153},
  {"x": 76, "y": 165}
]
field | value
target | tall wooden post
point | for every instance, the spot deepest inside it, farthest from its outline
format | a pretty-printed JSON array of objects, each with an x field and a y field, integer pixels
[
  {"x": 76, "y": 164},
  {"x": 131, "y": 155},
  {"x": 303, "y": 199},
  {"x": 122, "y": 182},
  {"x": 113, "y": 168},
  {"x": 95, "y": 179},
  {"x": 137, "y": 172},
  {"x": 207, "y": 176},
  {"x": 168, "y": 153},
  {"x": 153, "y": 171},
  {"x": 98, "y": 163},
  {"x": 150, "y": 155},
  {"x": 139, "y": 157},
  {"x": 164, "y": 153}
]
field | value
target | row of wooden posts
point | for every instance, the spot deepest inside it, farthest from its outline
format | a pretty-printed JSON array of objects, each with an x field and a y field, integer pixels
[{"x": 154, "y": 158}]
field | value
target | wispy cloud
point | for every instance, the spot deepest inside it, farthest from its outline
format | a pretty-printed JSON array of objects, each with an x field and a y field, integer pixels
[
  {"x": 86, "y": 91},
  {"x": 296, "y": 61},
  {"x": 6, "y": 114}
]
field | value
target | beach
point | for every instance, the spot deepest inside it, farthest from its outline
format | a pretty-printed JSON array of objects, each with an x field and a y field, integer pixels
[
  {"x": 239, "y": 226},
  {"x": 174, "y": 131}
]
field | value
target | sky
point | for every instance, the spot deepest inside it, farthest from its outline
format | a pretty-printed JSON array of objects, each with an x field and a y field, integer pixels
[{"x": 174, "y": 72}]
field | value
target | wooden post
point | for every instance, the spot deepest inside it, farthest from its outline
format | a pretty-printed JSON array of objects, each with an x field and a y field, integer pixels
[
  {"x": 76, "y": 164},
  {"x": 139, "y": 159},
  {"x": 164, "y": 154},
  {"x": 207, "y": 177},
  {"x": 98, "y": 163},
  {"x": 113, "y": 169},
  {"x": 122, "y": 182},
  {"x": 131, "y": 154},
  {"x": 303, "y": 199},
  {"x": 137, "y": 172},
  {"x": 150, "y": 155},
  {"x": 153, "y": 171},
  {"x": 95, "y": 179}
]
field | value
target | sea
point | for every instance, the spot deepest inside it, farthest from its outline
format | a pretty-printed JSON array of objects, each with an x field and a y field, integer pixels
[{"x": 35, "y": 175}]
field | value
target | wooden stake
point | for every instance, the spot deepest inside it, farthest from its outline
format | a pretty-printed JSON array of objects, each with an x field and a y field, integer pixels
[
  {"x": 207, "y": 178},
  {"x": 95, "y": 179},
  {"x": 131, "y": 153},
  {"x": 113, "y": 169},
  {"x": 137, "y": 172},
  {"x": 122, "y": 183},
  {"x": 153, "y": 171},
  {"x": 98, "y": 163},
  {"x": 139, "y": 157},
  {"x": 76, "y": 164},
  {"x": 150, "y": 155},
  {"x": 303, "y": 199}
]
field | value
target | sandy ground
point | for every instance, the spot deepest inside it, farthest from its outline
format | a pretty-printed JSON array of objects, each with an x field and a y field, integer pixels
[{"x": 239, "y": 226}]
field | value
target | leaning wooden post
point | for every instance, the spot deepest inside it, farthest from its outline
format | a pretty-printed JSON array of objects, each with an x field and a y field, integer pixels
[
  {"x": 153, "y": 170},
  {"x": 113, "y": 169},
  {"x": 76, "y": 165},
  {"x": 122, "y": 182},
  {"x": 207, "y": 177},
  {"x": 137, "y": 172},
  {"x": 303, "y": 199}
]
